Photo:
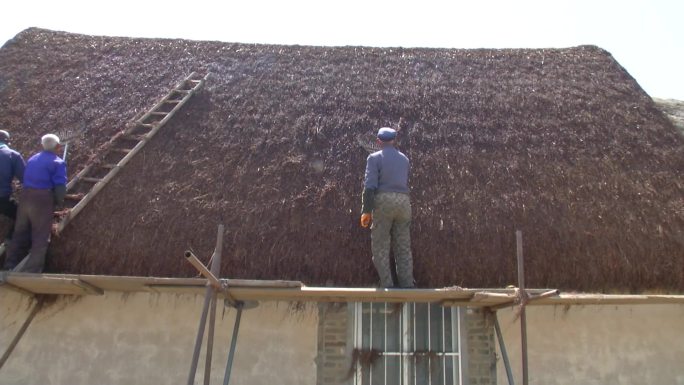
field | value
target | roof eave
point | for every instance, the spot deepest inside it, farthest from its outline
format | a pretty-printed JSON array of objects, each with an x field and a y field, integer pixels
[{"x": 280, "y": 290}]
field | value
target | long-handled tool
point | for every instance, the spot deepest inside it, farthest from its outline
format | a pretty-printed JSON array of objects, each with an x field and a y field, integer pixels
[
  {"x": 69, "y": 135},
  {"x": 369, "y": 141}
]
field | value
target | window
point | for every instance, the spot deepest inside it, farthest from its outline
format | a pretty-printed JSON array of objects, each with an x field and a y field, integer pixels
[{"x": 407, "y": 344}]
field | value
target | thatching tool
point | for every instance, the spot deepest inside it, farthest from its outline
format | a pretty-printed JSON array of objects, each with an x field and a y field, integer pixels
[
  {"x": 368, "y": 142},
  {"x": 69, "y": 135}
]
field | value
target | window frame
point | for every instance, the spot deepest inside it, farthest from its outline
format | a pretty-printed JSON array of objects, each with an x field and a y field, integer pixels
[{"x": 407, "y": 330}]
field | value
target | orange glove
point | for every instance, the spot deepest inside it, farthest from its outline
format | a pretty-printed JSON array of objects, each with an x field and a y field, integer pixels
[{"x": 366, "y": 219}]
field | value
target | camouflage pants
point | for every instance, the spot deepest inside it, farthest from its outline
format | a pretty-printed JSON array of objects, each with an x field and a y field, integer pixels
[{"x": 392, "y": 227}]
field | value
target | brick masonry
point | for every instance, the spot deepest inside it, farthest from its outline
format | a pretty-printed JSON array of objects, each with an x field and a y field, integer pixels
[
  {"x": 335, "y": 346},
  {"x": 481, "y": 348}
]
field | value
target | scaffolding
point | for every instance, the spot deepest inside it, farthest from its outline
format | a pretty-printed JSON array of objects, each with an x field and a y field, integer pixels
[{"x": 244, "y": 294}]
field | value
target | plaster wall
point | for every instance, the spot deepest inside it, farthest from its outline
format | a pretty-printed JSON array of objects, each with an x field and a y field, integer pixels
[
  {"x": 597, "y": 344},
  {"x": 145, "y": 338}
]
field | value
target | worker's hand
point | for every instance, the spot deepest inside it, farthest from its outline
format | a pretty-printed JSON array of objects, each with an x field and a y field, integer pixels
[
  {"x": 74, "y": 197},
  {"x": 366, "y": 219},
  {"x": 53, "y": 230},
  {"x": 60, "y": 213}
]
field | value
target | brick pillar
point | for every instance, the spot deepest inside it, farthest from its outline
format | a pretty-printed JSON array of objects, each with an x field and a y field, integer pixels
[
  {"x": 481, "y": 348},
  {"x": 334, "y": 344}
]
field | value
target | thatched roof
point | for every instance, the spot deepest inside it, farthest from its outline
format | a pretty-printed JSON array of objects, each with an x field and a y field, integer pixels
[
  {"x": 673, "y": 109},
  {"x": 560, "y": 143}
]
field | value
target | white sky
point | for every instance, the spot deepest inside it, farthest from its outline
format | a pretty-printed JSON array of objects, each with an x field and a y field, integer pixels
[{"x": 646, "y": 37}]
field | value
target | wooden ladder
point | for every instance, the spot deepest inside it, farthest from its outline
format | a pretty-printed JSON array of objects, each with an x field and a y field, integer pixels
[{"x": 123, "y": 146}]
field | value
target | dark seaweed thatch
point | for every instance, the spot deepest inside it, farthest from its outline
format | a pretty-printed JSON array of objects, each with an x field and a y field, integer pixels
[{"x": 560, "y": 143}]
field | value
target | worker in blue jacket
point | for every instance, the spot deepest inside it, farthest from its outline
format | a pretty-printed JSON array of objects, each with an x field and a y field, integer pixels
[
  {"x": 11, "y": 168},
  {"x": 386, "y": 203},
  {"x": 45, "y": 180}
]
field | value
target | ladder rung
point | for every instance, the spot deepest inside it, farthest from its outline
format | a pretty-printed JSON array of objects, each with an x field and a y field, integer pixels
[
  {"x": 73, "y": 197},
  {"x": 133, "y": 137},
  {"x": 176, "y": 97}
]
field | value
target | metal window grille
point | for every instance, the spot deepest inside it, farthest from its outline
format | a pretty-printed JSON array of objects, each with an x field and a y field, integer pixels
[{"x": 407, "y": 344}]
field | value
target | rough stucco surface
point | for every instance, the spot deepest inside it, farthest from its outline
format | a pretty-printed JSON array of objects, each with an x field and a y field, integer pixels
[
  {"x": 592, "y": 345},
  {"x": 148, "y": 338}
]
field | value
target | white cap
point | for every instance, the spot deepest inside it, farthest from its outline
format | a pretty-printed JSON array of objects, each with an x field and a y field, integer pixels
[{"x": 49, "y": 141}]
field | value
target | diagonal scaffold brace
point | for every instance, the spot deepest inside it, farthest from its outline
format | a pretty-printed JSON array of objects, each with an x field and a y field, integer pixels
[
  {"x": 522, "y": 299},
  {"x": 214, "y": 287}
]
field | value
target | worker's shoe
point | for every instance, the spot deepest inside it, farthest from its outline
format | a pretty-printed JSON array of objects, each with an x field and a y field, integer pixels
[
  {"x": 405, "y": 287},
  {"x": 411, "y": 284}
]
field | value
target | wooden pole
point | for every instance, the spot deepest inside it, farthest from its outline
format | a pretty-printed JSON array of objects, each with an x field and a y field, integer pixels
[
  {"x": 200, "y": 335},
  {"x": 22, "y": 330},
  {"x": 216, "y": 271},
  {"x": 502, "y": 347},
  {"x": 233, "y": 343},
  {"x": 530, "y": 298},
  {"x": 210, "y": 290},
  {"x": 523, "y": 299},
  {"x": 210, "y": 339},
  {"x": 213, "y": 280}
]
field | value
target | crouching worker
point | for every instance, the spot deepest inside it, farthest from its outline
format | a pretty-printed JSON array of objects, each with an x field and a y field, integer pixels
[{"x": 44, "y": 188}]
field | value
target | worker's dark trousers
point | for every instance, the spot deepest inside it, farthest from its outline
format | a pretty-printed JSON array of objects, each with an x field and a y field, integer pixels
[
  {"x": 31, "y": 230},
  {"x": 9, "y": 209}
]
